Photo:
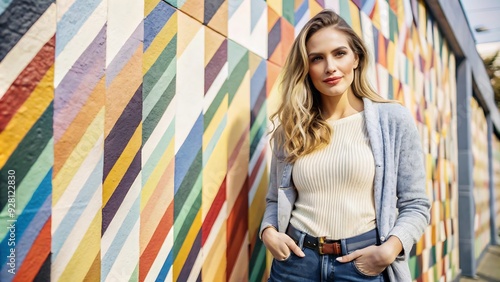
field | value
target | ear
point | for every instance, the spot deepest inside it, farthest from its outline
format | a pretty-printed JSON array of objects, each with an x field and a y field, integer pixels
[{"x": 356, "y": 61}]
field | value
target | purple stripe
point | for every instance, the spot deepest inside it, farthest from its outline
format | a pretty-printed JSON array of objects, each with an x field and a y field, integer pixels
[
  {"x": 109, "y": 211},
  {"x": 215, "y": 65},
  {"x": 122, "y": 131},
  {"x": 187, "y": 268},
  {"x": 126, "y": 52},
  {"x": 274, "y": 38},
  {"x": 75, "y": 88}
]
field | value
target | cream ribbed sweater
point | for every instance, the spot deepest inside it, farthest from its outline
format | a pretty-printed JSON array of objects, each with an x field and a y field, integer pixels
[{"x": 335, "y": 184}]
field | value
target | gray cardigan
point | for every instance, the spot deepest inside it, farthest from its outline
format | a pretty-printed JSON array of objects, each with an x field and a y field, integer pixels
[{"x": 401, "y": 203}]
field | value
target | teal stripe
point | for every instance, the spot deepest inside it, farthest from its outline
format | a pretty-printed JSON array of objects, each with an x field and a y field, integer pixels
[
  {"x": 157, "y": 70},
  {"x": 186, "y": 212},
  {"x": 236, "y": 77},
  {"x": 258, "y": 122},
  {"x": 31, "y": 181},
  {"x": 214, "y": 106},
  {"x": 159, "y": 88},
  {"x": 215, "y": 140},
  {"x": 4, "y": 4},
  {"x": 151, "y": 121},
  {"x": 154, "y": 159}
]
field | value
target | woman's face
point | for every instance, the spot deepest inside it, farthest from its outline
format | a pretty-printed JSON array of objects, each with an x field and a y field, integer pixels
[{"x": 331, "y": 61}]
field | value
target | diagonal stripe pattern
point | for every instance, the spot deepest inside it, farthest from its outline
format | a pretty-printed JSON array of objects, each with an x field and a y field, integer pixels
[{"x": 137, "y": 131}]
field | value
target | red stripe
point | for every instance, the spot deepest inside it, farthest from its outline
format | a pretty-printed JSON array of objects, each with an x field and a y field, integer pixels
[
  {"x": 253, "y": 175},
  {"x": 36, "y": 255},
  {"x": 25, "y": 83},
  {"x": 153, "y": 248},
  {"x": 214, "y": 211},
  {"x": 237, "y": 226}
]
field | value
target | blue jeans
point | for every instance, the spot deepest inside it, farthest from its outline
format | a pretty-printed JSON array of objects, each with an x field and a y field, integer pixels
[{"x": 316, "y": 267}]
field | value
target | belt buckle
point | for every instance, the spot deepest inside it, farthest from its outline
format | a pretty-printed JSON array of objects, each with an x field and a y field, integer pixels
[{"x": 321, "y": 241}]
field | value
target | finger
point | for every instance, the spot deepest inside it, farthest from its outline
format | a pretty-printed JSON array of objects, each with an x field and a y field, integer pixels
[
  {"x": 350, "y": 257},
  {"x": 294, "y": 248}
]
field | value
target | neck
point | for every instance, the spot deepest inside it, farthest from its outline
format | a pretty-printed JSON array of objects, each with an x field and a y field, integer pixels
[{"x": 341, "y": 106}]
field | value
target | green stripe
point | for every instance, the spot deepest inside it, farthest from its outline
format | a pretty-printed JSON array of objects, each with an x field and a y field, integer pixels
[
  {"x": 257, "y": 262},
  {"x": 187, "y": 202},
  {"x": 236, "y": 77},
  {"x": 151, "y": 121},
  {"x": 185, "y": 212},
  {"x": 215, "y": 105},
  {"x": 27, "y": 152},
  {"x": 159, "y": 88},
  {"x": 345, "y": 12},
  {"x": 166, "y": 57},
  {"x": 289, "y": 11}
]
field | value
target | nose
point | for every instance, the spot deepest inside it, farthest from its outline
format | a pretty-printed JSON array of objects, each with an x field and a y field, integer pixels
[{"x": 331, "y": 67}]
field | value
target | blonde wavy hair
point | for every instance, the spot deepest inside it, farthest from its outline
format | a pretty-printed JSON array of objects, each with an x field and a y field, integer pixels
[{"x": 302, "y": 128}]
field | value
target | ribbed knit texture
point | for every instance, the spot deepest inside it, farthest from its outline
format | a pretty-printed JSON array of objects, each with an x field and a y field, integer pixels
[{"x": 335, "y": 184}]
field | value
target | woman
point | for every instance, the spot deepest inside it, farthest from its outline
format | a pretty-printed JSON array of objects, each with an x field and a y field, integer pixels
[{"x": 355, "y": 202}]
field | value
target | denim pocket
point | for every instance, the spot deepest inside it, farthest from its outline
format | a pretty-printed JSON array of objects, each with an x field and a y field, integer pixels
[{"x": 356, "y": 268}]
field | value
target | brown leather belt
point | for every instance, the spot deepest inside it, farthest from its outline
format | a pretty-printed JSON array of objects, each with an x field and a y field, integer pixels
[
  {"x": 321, "y": 244},
  {"x": 334, "y": 247}
]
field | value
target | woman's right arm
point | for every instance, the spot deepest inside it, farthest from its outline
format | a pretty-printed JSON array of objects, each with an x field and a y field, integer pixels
[{"x": 279, "y": 244}]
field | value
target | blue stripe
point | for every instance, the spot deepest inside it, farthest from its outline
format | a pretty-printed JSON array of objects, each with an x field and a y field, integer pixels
[
  {"x": 73, "y": 20},
  {"x": 167, "y": 265},
  {"x": 155, "y": 21},
  {"x": 120, "y": 238},
  {"x": 77, "y": 208},
  {"x": 233, "y": 6},
  {"x": 38, "y": 207},
  {"x": 301, "y": 11},
  {"x": 188, "y": 151},
  {"x": 257, "y": 81},
  {"x": 368, "y": 6},
  {"x": 257, "y": 8}
]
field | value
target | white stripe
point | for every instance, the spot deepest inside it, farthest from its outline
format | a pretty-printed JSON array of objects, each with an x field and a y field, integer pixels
[
  {"x": 196, "y": 269},
  {"x": 26, "y": 49},
  {"x": 215, "y": 87},
  {"x": 160, "y": 259},
  {"x": 127, "y": 259},
  {"x": 126, "y": 15},
  {"x": 60, "y": 262},
  {"x": 160, "y": 129},
  {"x": 63, "y": 7},
  {"x": 69, "y": 195},
  {"x": 258, "y": 37},
  {"x": 125, "y": 207},
  {"x": 77, "y": 45},
  {"x": 260, "y": 146},
  {"x": 190, "y": 87}
]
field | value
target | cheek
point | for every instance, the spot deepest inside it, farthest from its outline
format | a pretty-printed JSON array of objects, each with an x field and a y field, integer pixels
[{"x": 314, "y": 72}]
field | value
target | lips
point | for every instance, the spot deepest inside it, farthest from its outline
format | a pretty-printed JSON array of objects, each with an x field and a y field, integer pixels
[{"x": 332, "y": 80}]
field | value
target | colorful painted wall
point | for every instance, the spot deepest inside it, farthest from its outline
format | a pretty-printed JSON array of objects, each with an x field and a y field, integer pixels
[
  {"x": 496, "y": 175},
  {"x": 481, "y": 179},
  {"x": 135, "y": 132}
]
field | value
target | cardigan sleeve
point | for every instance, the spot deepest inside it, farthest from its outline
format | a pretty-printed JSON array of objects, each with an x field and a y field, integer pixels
[
  {"x": 271, "y": 213},
  {"x": 413, "y": 204}
]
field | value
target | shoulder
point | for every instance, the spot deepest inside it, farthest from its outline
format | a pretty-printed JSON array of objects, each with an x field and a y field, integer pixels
[{"x": 394, "y": 113}]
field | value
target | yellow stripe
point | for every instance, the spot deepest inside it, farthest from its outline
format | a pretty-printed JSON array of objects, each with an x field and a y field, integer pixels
[
  {"x": 149, "y": 6},
  {"x": 121, "y": 166},
  {"x": 180, "y": 260},
  {"x": 76, "y": 158},
  {"x": 157, "y": 173},
  {"x": 214, "y": 173},
  {"x": 27, "y": 115},
  {"x": 258, "y": 206},
  {"x": 84, "y": 256},
  {"x": 214, "y": 267},
  {"x": 159, "y": 43}
]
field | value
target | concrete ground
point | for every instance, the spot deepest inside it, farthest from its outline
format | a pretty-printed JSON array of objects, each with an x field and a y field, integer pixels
[{"x": 488, "y": 268}]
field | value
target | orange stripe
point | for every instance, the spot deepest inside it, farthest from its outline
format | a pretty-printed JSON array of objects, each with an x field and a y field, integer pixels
[
  {"x": 68, "y": 141},
  {"x": 36, "y": 256}
]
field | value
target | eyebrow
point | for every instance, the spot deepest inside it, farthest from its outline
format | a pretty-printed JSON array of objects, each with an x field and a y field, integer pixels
[{"x": 334, "y": 50}]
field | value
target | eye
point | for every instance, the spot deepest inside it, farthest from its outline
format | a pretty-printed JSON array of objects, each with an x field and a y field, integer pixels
[
  {"x": 316, "y": 59},
  {"x": 341, "y": 53}
]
